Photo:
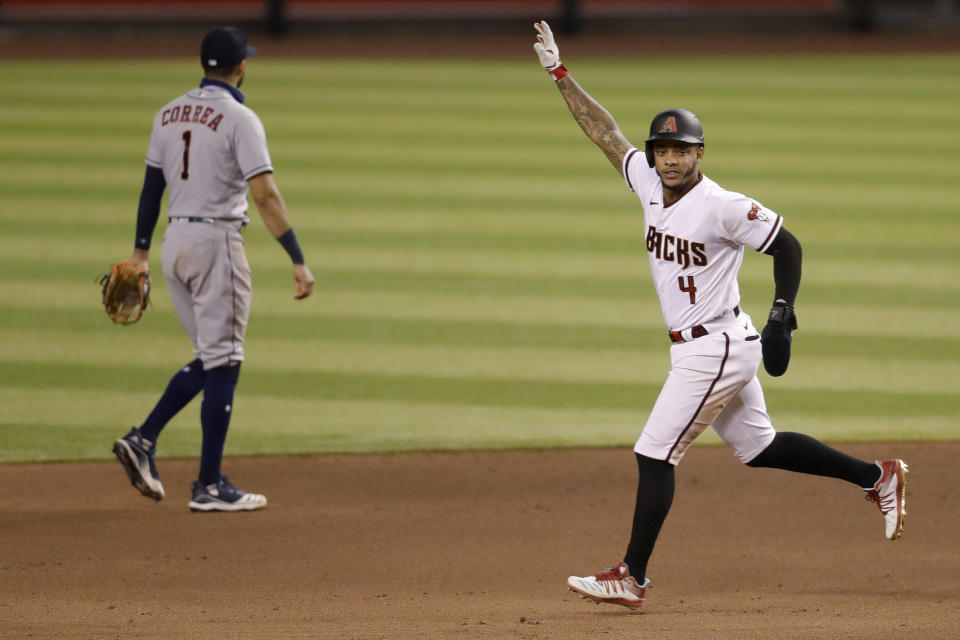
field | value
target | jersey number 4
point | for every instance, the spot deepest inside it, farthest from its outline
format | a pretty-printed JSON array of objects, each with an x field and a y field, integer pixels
[
  {"x": 688, "y": 288},
  {"x": 186, "y": 155}
]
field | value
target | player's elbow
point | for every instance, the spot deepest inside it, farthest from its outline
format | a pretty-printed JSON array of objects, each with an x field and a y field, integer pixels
[
  {"x": 785, "y": 245},
  {"x": 264, "y": 200}
]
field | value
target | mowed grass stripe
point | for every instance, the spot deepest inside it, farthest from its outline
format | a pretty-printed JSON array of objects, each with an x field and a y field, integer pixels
[
  {"x": 78, "y": 300},
  {"x": 926, "y": 244},
  {"x": 21, "y": 261},
  {"x": 588, "y": 192},
  {"x": 567, "y": 286},
  {"x": 296, "y": 425},
  {"x": 553, "y": 394},
  {"x": 287, "y": 355},
  {"x": 835, "y": 372},
  {"x": 463, "y": 318}
]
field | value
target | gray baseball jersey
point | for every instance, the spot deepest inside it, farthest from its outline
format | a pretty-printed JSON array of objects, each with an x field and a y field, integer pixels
[{"x": 208, "y": 145}]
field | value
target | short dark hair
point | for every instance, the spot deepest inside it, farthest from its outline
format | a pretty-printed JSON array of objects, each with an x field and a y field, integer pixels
[{"x": 220, "y": 72}]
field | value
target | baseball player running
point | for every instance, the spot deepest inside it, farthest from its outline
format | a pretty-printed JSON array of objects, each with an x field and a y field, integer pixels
[
  {"x": 209, "y": 149},
  {"x": 696, "y": 232}
]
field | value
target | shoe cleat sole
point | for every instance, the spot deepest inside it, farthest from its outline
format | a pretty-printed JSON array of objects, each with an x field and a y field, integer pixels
[{"x": 128, "y": 460}]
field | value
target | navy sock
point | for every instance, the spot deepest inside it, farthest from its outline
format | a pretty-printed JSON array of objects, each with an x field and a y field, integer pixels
[
  {"x": 803, "y": 454},
  {"x": 655, "y": 487},
  {"x": 215, "y": 415},
  {"x": 182, "y": 388}
]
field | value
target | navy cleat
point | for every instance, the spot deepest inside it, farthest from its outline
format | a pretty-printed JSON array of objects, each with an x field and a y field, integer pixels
[
  {"x": 136, "y": 455},
  {"x": 223, "y": 496}
]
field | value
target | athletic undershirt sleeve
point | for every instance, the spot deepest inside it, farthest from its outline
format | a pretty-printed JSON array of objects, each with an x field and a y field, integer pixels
[
  {"x": 149, "y": 209},
  {"x": 787, "y": 260}
]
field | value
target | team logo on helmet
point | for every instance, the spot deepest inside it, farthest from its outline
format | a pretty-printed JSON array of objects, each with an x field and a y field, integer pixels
[
  {"x": 669, "y": 125},
  {"x": 756, "y": 213}
]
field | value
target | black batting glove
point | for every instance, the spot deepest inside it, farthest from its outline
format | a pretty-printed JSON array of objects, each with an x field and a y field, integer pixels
[{"x": 776, "y": 338}]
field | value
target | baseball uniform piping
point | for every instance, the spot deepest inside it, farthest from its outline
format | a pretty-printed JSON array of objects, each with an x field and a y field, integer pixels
[
  {"x": 626, "y": 167},
  {"x": 726, "y": 353},
  {"x": 233, "y": 288},
  {"x": 771, "y": 235}
]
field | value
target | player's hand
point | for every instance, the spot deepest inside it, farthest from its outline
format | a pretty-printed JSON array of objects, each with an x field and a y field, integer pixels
[
  {"x": 546, "y": 48},
  {"x": 304, "y": 280},
  {"x": 139, "y": 258},
  {"x": 776, "y": 338}
]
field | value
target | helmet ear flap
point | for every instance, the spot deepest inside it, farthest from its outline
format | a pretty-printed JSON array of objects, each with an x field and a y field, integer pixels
[{"x": 648, "y": 151}]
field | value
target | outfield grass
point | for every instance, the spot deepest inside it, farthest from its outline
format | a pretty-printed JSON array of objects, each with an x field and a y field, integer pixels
[{"x": 481, "y": 275}]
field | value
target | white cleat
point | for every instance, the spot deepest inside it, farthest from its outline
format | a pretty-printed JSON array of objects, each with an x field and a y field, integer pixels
[
  {"x": 612, "y": 586},
  {"x": 224, "y": 496},
  {"x": 890, "y": 495}
]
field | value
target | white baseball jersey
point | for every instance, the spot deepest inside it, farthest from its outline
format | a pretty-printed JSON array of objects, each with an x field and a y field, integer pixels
[
  {"x": 696, "y": 245},
  {"x": 208, "y": 145}
]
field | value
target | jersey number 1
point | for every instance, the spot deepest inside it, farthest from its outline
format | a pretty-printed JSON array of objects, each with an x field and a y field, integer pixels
[
  {"x": 688, "y": 288},
  {"x": 186, "y": 155}
]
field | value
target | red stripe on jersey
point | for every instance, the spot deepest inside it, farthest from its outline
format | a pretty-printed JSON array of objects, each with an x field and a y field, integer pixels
[{"x": 776, "y": 227}]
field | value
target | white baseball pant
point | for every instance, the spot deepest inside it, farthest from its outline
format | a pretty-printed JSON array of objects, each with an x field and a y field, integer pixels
[{"x": 712, "y": 381}]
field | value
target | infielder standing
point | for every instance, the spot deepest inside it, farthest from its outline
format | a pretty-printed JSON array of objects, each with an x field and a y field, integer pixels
[
  {"x": 209, "y": 149},
  {"x": 696, "y": 232}
]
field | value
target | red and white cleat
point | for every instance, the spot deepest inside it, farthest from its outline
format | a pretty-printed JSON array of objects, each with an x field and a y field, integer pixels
[
  {"x": 613, "y": 586},
  {"x": 890, "y": 495}
]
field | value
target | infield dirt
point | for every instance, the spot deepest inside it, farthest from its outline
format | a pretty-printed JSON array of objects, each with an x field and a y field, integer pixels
[{"x": 474, "y": 545}]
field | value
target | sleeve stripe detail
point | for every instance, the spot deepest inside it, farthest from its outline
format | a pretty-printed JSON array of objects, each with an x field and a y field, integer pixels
[
  {"x": 626, "y": 167},
  {"x": 771, "y": 235},
  {"x": 266, "y": 168}
]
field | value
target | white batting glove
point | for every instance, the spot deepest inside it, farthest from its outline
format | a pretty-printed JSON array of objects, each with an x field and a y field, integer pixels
[{"x": 547, "y": 50}]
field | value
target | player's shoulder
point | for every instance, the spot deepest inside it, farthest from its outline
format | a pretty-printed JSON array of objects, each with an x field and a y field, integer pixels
[
  {"x": 640, "y": 176},
  {"x": 720, "y": 197},
  {"x": 172, "y": 103}
]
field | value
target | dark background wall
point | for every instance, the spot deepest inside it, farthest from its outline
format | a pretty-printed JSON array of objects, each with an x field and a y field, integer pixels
[{"x": 284, "y": 16}]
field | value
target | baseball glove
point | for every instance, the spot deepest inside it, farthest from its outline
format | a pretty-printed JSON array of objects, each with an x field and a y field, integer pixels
[{"x": 126, "y": 292}]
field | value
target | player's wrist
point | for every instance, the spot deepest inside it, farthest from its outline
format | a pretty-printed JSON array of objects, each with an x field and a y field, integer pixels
[
  {"x": 288, "y": 240},
  {"x": 557, "y": 72}
]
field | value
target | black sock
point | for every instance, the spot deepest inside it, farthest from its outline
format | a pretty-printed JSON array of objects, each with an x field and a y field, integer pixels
[
  {"x": 215, "y": 415},
  {"x": 182, "y": 388},
  {"x": 803, "y": 454},
  {"x": 655, "y": 486}
]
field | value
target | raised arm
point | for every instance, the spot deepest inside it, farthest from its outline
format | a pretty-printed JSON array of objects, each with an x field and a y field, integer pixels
[{"x": 595, "y": 121}]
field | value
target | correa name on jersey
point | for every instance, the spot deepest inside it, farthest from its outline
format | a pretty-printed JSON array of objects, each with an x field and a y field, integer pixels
[
  {"x": 673, "y": 249},
  {"x": 188, "y": 113}
]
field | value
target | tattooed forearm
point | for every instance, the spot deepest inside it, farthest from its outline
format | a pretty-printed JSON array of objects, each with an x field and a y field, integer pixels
[{"x": 595, "y": 121}]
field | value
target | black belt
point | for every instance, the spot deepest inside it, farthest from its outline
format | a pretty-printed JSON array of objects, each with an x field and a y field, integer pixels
[
  {"x": 195, "y": 219},
  {"x": 698, "y": 331},
  {"x": 208, "y": 220}
]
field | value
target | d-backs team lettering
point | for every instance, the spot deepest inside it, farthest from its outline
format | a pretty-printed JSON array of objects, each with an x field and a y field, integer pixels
[{"x": 674, "y": 249}]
